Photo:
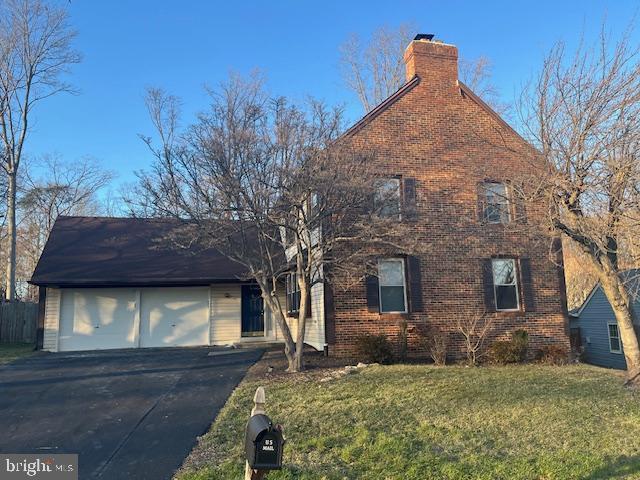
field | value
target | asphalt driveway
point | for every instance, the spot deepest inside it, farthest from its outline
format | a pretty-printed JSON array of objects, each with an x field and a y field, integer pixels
[{"x": 128, "y": 414}]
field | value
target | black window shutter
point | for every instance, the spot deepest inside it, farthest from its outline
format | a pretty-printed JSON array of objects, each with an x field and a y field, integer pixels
[
  {"x": 520, "y": 209},
  {"x": 527, "y": 285},
  {"x": 409, "y": 199},
  {"x": 415, "y": 284},
  {"x": 487, "y": 285},
  {"x": 308, "y": 312},
  {"x": 480, "y": 194},
  {"x": 373, "y": 300}
]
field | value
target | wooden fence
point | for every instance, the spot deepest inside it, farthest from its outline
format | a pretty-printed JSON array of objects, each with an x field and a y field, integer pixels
[{"x": 18, "y": 322}]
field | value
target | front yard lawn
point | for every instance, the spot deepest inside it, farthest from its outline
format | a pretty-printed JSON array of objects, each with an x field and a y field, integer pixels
[
  {"x": 11, "y": 351},
  {"x": 423, "y": 422}
]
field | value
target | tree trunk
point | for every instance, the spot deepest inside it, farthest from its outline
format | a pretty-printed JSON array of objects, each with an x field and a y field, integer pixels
[
  {"x": 10, "y": 287},
  {"x": 289, "y": 345},
  {"x": 302, "y": 326},
  {"x": 620, "y": 301}
]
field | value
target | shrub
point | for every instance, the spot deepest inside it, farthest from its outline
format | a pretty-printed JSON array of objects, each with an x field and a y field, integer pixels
[
  {"x": 552, "y": 355},
  {"x": 403, "y": 340},
  {"x": 436, "y": 343},
  {"x": 512, "y": 351},
  {"x": 475, "y": 329},
  {"x": 503, "y": 352},
  {"x": 520, "y": 340},
  {"x": 374, "y": 348}
]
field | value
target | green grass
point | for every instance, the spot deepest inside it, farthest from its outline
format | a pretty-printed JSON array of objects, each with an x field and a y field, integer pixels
[
  {"x": 422, "y": 422},
  {"x": 11, "y": 351}
]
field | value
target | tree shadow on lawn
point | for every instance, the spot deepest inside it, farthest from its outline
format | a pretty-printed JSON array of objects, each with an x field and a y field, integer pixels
[{"x": 619, "y": 467}]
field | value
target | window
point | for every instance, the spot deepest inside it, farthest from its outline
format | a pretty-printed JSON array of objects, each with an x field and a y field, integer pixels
[
  {"x": 495, "y": 203},
  {"x": 293, "y": 294},
  {"x": 505, "y": 284},
  {"x": 314, "y": 204},
  {"x": 614, "y": 338},
  {"x": 387, "y": 198},
  {"x": 391, "y": 280}
]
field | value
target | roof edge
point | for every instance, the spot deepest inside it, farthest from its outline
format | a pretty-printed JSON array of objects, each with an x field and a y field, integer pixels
[
  {"x": 390, "y": 100},
  {"x": 578, "y": 311},
  {"x": 482, "y": 104}
]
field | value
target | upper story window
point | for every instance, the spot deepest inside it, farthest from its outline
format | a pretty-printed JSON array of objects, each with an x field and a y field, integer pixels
[
  {"x": 387, "y": 198},
  {"x": 293, "y": 294},
  {"x": 505, "y": 284},
  {"x": 614, "y": 338},
  {"x": 392, "y": 285},
  {"x": 495, "y": 203}
]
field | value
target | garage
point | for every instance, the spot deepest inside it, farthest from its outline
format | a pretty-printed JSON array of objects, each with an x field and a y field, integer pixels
[
  {"x": 174, "y": 317},
  {"x": 108, "y": 283},
  {"x": 99, "y": 318}
]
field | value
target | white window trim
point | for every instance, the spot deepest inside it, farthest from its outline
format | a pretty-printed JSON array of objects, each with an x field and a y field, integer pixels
[
  {"x": 507, "y": 196},
  {"x": 609, "y": 337},
  {"x": 495, "y": 285},
  {"x": 404, "y": 285}
]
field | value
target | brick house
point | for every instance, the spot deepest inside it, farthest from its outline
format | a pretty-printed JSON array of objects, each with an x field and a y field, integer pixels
[
  {"x": 448, "y": 156},
  {"x": 453, "y": 158}
]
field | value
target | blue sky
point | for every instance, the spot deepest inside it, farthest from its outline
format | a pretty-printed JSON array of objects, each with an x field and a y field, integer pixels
[{"x": 181, "y": 46}]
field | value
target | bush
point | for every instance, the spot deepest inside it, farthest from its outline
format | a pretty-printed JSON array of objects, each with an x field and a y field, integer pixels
[
  {"x": 403, "y": 340},
  {"x": 503, "y": 352},
  {"x": 374, "y": 348},
  {"x": 437, "y": 345},
  {"x": 512, "y": 351},
  {"x": 520, "y": 340},
  {"x": 552, "y": 355}
]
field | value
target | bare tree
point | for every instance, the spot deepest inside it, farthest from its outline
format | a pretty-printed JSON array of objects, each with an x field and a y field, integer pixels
[
  {"x": 274, "y": 188},
  {"x": 54, "y": 187},
  {"x": 582, "y": 112},
  {"x": 35, "y": 52},
  {"x": 475, "y": 329},
  {"x": 375, "y": 69}
]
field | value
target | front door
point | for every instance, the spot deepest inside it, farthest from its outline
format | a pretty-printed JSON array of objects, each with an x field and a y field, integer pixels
[{"x": 252, "y": 311}]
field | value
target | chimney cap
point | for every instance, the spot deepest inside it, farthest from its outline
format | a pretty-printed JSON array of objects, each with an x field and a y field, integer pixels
[{"x": 424, "y": 36}]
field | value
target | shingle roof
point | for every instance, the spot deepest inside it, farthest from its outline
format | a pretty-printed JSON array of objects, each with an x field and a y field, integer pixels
[{"x": 95, "y": 251}]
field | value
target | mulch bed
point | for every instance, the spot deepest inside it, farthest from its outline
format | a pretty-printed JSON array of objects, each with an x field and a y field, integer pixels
[{"x": 273, "y": 364}]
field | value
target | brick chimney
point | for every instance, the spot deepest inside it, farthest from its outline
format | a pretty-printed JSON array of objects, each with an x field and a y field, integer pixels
[{"x": 431, "y": 60}]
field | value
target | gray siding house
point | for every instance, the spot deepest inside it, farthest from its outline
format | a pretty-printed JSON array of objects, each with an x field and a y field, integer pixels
[{"x": 594, "y": 327}]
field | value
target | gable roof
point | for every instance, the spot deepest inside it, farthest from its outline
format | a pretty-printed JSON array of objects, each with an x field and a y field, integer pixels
[
  {"x": 632, "y": 276},
  {"x": 101, "y": 251}
]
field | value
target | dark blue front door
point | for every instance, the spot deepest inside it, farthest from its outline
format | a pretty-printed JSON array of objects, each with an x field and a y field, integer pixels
[{"x": 252, "y": 311}]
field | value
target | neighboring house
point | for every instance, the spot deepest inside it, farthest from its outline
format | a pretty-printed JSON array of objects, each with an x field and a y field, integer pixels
[
  {"x": 594, "y": 327},
  {"x": 449, "y": 158}
]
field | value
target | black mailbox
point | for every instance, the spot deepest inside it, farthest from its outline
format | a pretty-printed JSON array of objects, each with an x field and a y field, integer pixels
[{"x": 263, "y": 444}]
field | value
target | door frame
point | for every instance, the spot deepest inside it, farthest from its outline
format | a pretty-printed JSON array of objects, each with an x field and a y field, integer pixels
[{"x": 244, "y": 290}]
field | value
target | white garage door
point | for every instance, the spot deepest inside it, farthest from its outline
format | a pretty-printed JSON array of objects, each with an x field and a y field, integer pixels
[
  {"x": 97, "y": 318},
  {"x": 174, "y": 317}
]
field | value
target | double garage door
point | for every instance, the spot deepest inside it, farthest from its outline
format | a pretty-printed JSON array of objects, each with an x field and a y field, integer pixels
[{"x": 129, "y": 318}]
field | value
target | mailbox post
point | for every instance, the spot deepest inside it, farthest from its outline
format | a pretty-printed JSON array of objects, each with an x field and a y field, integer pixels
[{"x": 263, "y": 441}]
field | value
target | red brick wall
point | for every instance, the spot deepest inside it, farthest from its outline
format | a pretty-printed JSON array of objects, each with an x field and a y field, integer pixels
[{"x": 449, "y": 143}]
